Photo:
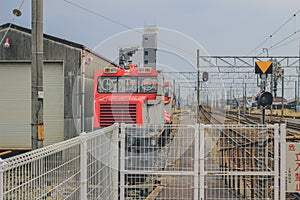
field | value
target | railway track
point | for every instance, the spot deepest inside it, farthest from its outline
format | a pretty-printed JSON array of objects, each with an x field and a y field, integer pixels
[
  {"x": 240, "y": 151},
  {"x": 238, "y": 142},
  {"x": 293, "y": 133},
  {"x": 292, "y": 125}
]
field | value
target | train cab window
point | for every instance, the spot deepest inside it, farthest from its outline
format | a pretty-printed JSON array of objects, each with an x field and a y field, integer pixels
[
  {"x": 127, "y": 84},
  {"x": 147, "y": 84},
  {"x": 166, "y": 90},
  {"x": 107, "y": 84}
]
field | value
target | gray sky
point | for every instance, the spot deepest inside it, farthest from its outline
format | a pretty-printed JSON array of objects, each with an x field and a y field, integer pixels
[{"x": 222, "y": 27}]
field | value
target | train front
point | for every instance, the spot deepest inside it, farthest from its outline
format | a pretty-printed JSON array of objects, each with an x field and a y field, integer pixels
[{"x": 132, "y": 96}]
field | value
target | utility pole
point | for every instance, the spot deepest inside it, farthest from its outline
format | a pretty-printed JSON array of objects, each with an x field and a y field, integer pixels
[
  {"x": 198, "y": 87},
  {"x": 263, "y": 87},
  {"x": 37, "y": 66}
]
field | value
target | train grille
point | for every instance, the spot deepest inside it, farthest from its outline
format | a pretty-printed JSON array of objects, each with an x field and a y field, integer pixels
[{"x": 112, "y": 113}]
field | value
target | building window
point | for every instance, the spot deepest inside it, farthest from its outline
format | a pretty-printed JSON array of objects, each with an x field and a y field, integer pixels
[
  {"x": 146, "y": 38},
  {"x": 146, "y": 62},
  {"x": 146, "y": 53}
]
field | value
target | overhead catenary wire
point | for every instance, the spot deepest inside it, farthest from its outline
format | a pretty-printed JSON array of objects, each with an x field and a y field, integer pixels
[
  {"x": 278, "y": 44},
  {"x": 274, "y": 32},
  {"x": 284, "y": 39},
  {"x": 286, "y": 43}
]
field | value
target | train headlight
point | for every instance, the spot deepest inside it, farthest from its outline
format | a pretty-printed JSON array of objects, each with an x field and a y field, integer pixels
[{"x": 110, "y": 70}]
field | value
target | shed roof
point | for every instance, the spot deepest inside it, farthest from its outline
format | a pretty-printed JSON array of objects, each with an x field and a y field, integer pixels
[{"x": 56, "y": 39}]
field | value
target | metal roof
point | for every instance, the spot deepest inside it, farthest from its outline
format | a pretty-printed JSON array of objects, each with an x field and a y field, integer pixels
[{"x": 56, "y": 39}]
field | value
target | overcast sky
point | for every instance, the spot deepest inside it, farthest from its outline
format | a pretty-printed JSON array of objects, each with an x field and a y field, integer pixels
[
  {"x": 222, "y": 27},
  {"x": 217, "y": 27}
]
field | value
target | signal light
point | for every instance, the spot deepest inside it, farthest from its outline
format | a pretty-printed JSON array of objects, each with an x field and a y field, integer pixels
[
  {"x": 264, "y": 99},
  {"x": 205, "y": 76}
]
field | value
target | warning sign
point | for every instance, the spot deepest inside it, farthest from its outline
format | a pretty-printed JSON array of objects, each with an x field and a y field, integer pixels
[
  {"x": 263, "y": 67},
  {"x": 293, "y": 167}
]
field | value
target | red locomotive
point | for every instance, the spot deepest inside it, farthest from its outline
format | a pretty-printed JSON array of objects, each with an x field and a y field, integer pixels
[{"x": 133, "y": 95}]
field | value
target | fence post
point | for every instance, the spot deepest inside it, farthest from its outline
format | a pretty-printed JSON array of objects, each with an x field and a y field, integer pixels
[
  {"x": 115, "y": 160},
  {"x": 202, "y": 157},
  {"x": 1, "y": 178},
  {"x": 83, "y": 167},
  {"x": 282, "y": 160},
  {"x": 196, "y": 163},
  {"x": 122, "y": 162},
  {"x": 276, "y": 161}
]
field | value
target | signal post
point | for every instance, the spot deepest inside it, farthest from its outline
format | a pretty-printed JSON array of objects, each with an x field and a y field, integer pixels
[{"x": 264, "y": 98}]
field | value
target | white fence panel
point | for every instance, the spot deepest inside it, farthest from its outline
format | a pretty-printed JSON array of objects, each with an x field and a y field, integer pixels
[
  {"x": 201, "y": 162},
  {"x": 85, "y": 167},
  {"x": 183, "y": 162},
  {"x": 240, "y": 161},
  {"x": 159, "y": 162}
]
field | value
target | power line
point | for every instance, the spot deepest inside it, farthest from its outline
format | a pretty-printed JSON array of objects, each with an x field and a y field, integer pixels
[
  {"x": 274, "y": 32},
  {"x": 286, "y": 43},
  {"x": 99, "y": 15},
  {"x": 123, "y": 25},
  {"x": 277, "y": 45},
  {"x": 284, "y": 39}
]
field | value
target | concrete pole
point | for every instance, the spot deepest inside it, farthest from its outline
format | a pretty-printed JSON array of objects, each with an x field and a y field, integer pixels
[{"x": 37, "y": 66}]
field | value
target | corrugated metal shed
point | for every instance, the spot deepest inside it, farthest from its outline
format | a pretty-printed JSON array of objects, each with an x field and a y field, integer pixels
[{"x": 62, "y": 79}]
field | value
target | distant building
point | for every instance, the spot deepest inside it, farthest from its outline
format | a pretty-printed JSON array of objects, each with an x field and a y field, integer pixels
[
  {"x": 277, "y": 102},
  {"x": 144, "y": 56},
  {"x": 150, "y": 46},
  {"x": 292, "y": 104}
]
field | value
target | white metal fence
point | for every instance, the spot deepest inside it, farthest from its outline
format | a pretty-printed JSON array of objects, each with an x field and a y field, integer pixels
[
  {"x": 157, "y": 162},
  {"x": 85, "y": 167},
  {"x": 201, "y": 162},
  {"x": 241, "y": 162}
]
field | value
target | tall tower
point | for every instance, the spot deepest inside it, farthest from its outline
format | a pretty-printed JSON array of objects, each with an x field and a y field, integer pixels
[{"x": 150, "y": 46}]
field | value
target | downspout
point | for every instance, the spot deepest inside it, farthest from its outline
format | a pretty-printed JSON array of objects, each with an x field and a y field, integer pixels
[{"x": 82, "y": 89}]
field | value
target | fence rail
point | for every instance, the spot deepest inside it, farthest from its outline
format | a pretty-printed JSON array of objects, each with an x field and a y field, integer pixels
[
  {"x": 85, "y": 167},
  {"x": 201, "y": 162},
  {"x": 154, "y": 162},
  {"x": 241, "y": 161}
]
